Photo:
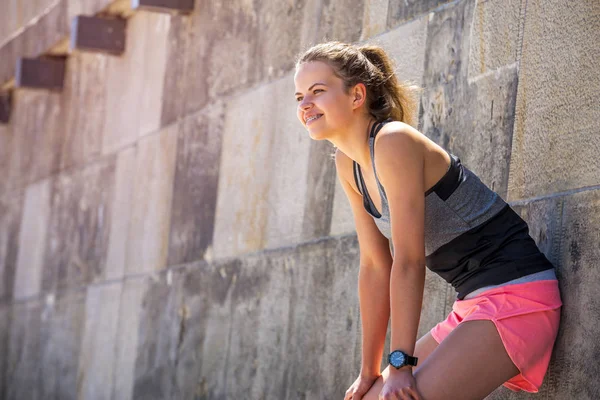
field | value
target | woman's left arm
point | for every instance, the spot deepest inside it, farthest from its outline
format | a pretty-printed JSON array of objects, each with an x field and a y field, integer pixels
[{"x": 399, "y": 160}]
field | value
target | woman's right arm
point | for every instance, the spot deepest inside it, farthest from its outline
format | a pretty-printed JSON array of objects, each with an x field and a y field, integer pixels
[{"x": 374, "y": 272}]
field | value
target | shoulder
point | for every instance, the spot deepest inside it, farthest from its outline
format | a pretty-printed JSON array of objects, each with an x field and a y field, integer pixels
[{"x": 395, "y": 141}]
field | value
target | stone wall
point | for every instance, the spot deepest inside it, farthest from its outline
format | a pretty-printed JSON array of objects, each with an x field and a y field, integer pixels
[{"x": 169, "y": 231}]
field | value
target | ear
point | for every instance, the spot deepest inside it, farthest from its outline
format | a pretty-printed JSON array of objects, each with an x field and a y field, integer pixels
[{"x": 359, "y": 95}]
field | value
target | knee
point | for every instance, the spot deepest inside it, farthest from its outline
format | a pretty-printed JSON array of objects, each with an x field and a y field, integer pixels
[{"x": 373, "y": 393}]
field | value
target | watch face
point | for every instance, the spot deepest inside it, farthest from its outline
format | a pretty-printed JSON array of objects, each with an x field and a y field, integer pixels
[{"x": 397, "y": 359}]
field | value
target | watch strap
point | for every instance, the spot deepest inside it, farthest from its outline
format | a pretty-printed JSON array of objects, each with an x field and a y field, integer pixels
[{"x": 411, "y": 360}]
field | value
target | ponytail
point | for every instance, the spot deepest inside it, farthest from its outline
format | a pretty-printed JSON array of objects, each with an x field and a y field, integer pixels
[{"x": 392, "y": 99}]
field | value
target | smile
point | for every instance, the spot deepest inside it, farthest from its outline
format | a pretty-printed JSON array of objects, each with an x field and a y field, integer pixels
[{"x": 313, "y": 118}]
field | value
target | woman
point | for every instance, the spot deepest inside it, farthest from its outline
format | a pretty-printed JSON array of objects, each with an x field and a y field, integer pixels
[{"x": 406, "y": 189}]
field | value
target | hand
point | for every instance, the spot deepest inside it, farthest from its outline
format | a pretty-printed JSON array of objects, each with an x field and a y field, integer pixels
[
  {"x": 360, "y": 387},
  {"x": 400, "y": 385}
]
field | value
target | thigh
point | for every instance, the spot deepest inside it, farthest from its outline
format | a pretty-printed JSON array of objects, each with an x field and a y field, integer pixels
[
  {"x": 423, "y": 348},
  {"x": 469, "y": 364}
]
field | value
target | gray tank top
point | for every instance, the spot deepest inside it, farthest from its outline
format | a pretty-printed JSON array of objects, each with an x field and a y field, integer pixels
[{"x": 473, "y": 239}]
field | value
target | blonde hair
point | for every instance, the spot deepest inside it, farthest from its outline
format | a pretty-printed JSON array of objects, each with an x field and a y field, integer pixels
[{"x": 369, "y": 64}]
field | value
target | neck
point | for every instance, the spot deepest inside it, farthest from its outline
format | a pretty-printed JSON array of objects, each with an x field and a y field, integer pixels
[{"x": 354, "y": 141}]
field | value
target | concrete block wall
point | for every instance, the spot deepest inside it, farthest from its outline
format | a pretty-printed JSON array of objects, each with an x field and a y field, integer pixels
[{"x": 169, "y": 231}]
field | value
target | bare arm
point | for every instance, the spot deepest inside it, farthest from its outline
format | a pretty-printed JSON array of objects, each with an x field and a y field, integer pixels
[
  {"x": 400, "y": 166},
  {"x": 374, "y": 273}
]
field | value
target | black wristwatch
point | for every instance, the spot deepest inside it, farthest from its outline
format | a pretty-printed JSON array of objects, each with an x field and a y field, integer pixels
[{"x": 399, "y": 359}]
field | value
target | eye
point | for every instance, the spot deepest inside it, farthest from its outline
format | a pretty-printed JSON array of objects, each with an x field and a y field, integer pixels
[
  {"x": 317, "y": 90},
  {"x": 299, "y": 99}
]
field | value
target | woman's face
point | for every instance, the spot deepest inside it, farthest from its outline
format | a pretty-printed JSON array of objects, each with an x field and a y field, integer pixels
[{"x": 324, "y": 107}]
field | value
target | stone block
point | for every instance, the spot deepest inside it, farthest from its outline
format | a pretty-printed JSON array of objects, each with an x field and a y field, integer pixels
[
  {"x": 84, "y": 108},
  {"x": 130, "y": 312},
  {"x": 86, "y": 7},
  {"x": 120, "y": 214},
  {"x": 196, "y": 185},
  {"x": 400, "y": 11},
  {"x": 375, "y": 18},
  {"x": 340, "y": 20},
  {"x": 18, "y": 14},
  {"x": 33, "y": 236},
  {"x": 5, "y": 316},
  {"x": 134, "y": 82},
  {"x": 37, "y": 128},
  {"x": 23, "y": 370},
  {"x": 62, "y": 323},
  {"x": 96, "y": 34},
  {"x": 224, "y": 48},
  {"x": 35, "y": 39},
  {"x": 406, "y": 46},
  {"x": 473, "y": 120},
  {"x": 41, "y": 73},
  {"x": 5, "y": 106},
  {"x": 576, "y": 348},
  {"x": 494, "y": 33},
  {"x": 556, "y": 139},
  {"x": 95, "y": 376},
  {"x": 164, "y": 5},
  {"x": 149, "y": 225},
  {"x": 161, "y": 328},
  {"x": 11, "y": 209},
  {"x": 262, "y": 192},
  {"x": 79, "y": 227}
]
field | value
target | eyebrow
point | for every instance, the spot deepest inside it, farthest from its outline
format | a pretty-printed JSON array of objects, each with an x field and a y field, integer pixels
[{"x": 309, "y": 89}]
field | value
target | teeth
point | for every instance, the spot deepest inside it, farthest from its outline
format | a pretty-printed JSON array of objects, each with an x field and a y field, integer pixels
[{"x": 312, "y": 118}]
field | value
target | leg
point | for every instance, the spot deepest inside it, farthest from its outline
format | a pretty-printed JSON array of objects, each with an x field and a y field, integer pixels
[
  {"x": 423, "y": 348},
  {"x": 469, "y": 364}
]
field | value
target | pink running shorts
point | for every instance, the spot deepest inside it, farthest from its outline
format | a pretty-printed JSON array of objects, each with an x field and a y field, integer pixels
[{"x": 526, "y": 315}]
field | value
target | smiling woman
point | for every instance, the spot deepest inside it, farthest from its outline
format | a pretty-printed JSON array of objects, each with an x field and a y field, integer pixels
[{"x": 406, "y": 189}]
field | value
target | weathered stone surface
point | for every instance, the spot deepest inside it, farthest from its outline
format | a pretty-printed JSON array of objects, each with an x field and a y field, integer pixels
[
  {"x": 130, "y": 312},
  {"x": 23, "y": 369},
  {"x": 321, "y": 178},
  {"x": 37, "y": 137},
  {"x": 11, "y": 208},
  {"x": 97, "y": 356},
  {"x": 5, "y": 318},
  {"x": 544, "y": 218},
  {"x": 196, "y": 185},
  {"x": 556, "y": 139},
  {"x": 576, "y": 345},
  {"x": 262, "y": 191},
  {"x": 134, "y": 82},
  {"x": 83, "y": 103},
  {"x": 18, "y": 14},
  {"x": 148, "y": 239},
  {"x": 48, "y": 30},
  {"x": 400, "y": 11},
  {"x": 472, "y": 120},
  {"x": 375, "y": 18},
  {"x": 494, "y": 32},
  {"x": 32, "y": 240},
  {"x": 339, "y": 20},
  {"x": 120, "y": 213},
  {"x": 224, "y": 48},
  {"x": 161, "y": 326},
  {"x": 62, "y": 323},
  {"x": 86, "y": 7},
  {"x": 79, "y": 226}
]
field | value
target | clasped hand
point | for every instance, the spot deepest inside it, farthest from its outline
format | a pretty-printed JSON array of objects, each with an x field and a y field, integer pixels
[{"x": 400, "y": 385}]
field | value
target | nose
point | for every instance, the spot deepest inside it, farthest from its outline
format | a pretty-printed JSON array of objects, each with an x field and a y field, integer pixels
[{"x": 305, "y": 104}]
